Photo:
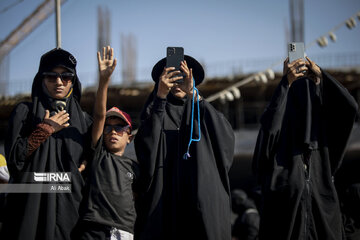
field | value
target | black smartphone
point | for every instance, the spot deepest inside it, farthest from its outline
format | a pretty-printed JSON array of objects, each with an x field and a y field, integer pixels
[{"x": 174, "y": 56}]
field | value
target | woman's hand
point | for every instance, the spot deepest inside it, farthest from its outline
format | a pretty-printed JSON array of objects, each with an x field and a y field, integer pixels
[
  {"x": 188, "y": 85},
  {"x": 314, "y": 72},
  {"x": 167, "y": 81},
  {"x": 58, "y": 121},
  {"x": 294, "y": 70},
  {"x": 82, "y": 166}
]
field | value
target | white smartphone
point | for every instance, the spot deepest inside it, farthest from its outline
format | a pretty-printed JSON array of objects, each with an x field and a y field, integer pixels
[{"x": 296, "y": 50}]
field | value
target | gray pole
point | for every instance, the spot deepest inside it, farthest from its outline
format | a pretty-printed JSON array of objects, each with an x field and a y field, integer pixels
[{"x": 58, "y": 23}]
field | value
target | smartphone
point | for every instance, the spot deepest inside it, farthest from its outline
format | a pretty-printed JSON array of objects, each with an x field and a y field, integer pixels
[
  {"x": 296, "y": 50},
  {"x": 174, "y": 56}
]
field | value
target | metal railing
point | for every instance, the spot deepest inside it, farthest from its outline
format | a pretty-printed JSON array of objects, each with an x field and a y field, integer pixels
[{"x": 212, "y": 69}]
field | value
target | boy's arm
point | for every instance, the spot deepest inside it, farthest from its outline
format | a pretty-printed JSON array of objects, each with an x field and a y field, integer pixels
[{"x": 107, "y": 64}]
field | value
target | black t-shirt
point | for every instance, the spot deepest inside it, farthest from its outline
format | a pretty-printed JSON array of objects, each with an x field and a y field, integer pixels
[{"x": 110, "y": 199}]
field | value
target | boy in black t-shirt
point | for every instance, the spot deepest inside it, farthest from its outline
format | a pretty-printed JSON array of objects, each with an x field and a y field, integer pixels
[{"x": 109, "y": 211}]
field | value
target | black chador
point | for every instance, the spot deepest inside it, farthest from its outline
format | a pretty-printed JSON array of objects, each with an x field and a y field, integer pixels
[
  {"x": 300, "y": 146},
  {"x": 45, "y": 215},
  {"x": 183, "y": 198}
]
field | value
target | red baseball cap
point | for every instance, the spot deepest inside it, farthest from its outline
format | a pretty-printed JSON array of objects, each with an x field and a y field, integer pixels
[{"x": 115, "y": 112}]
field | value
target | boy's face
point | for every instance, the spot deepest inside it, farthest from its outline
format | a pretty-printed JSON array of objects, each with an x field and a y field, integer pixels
[{"x": 116, "y": 135}]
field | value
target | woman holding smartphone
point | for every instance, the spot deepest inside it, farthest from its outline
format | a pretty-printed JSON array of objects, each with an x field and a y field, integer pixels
[
  {"x": 185, "y": 149},
  {"x": 300, "y": 146}
]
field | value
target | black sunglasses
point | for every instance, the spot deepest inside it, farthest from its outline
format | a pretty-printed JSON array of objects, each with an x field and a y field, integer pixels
[
  {"x": 119, "y": 129},
  {"x": 65, "y": 77}
]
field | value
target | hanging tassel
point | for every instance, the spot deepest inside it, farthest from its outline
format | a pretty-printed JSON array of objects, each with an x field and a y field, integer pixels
[{"x": 187, "y": 154}]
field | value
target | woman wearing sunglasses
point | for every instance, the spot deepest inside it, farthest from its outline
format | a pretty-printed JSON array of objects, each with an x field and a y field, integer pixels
[{"x": 47, "y": 135}]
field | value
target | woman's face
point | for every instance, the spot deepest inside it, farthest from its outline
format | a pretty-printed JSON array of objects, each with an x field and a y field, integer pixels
[
  {"x": 58, "y": 82},
  {"x": 178, "y": 90}
]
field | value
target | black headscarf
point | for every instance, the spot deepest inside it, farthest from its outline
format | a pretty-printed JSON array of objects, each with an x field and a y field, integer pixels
[
  {"x": 50, "y": 60},
  {"x": 198, "y": 74}
]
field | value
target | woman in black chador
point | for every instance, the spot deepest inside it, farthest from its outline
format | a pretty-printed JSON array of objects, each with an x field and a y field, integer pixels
[
  {"x": 46, "y": 135},
  {"x": 301, "y": 143},
  {"x": 185, "y": 150}
]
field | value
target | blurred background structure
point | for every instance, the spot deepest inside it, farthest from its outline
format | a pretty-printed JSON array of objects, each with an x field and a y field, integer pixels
[
  {"x": 242, "y": 46},
  {"x": 297, "y": 20}
]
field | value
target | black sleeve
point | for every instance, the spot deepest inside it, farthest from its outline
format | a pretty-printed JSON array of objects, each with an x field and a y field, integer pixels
[
  {"x": 222, "y": 136},
  {"x": 147, "y": 142},
  {"x": 16, "y": 143},
  {"x": 340, "y": 111},
  {"x": 272, "y": 116},
  {"x": 269, "y": 133},
  {"x": 88, "y": 149}
]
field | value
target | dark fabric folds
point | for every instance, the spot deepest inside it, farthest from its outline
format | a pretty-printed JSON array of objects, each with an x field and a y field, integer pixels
[
  {"x": 183, "y": 199},
  {"x": 45, "y": 215},
  {"x": 300, "y": 146}
]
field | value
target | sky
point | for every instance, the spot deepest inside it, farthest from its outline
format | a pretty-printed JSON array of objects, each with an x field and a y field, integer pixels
[{"x": 220, "y": 34}]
